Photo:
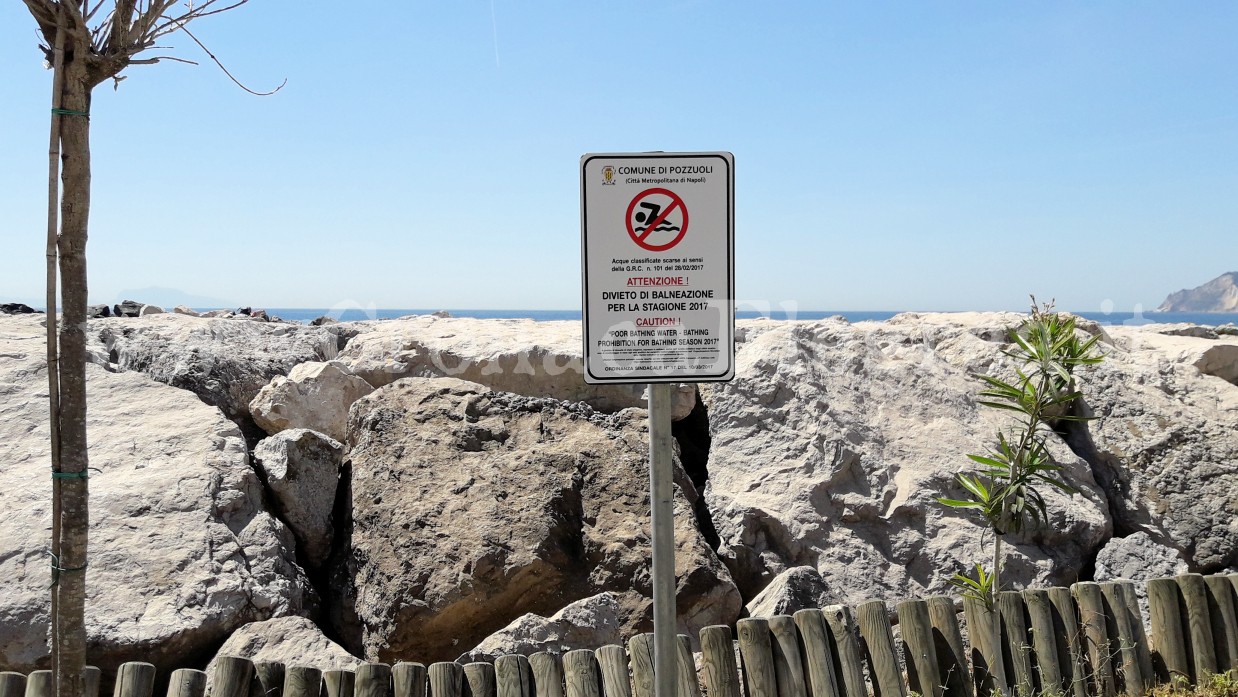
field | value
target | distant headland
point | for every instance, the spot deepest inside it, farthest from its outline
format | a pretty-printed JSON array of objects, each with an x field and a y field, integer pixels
[{"x": 1218, "y": 295}]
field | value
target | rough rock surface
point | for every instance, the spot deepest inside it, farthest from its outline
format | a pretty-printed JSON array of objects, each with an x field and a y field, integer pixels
[
  {"x": 293, "y": 641},
  {"x": 795, "y": 589},
  {"x": 181, "y": 550},
  {"x": 302, "y": 469},
  {"x": 585, "y": 624},
  {"x": 1164, "y": 443},
  {"x": 833, "y": 441},
  {"x": 224, "y": 362},
  {"x": 1219, "y": 360},
  {"x": 472, "y": 508},
  {"x": 313, "y": 395},
  {"x": 536, "y": 359},
  {"x": 1137, "y": 558}
]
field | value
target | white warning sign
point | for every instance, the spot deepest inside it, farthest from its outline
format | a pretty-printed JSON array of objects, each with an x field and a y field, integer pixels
[{"x": 658, "y": 267}]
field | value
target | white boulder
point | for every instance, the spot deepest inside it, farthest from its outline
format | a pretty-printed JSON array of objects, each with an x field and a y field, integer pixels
[
  {"x": 181, "y": 550},
  {"x": 302, "y": 469},
  {"x": 535, "y": 359},
  {"x": 293, "y": 641},
  {"x": 834, "y": 440},
  {"x": 314, "y": 395},
  {"x": 585, "y": 624}
]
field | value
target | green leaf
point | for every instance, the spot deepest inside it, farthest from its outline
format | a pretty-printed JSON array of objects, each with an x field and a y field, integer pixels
[
  {"x": 999, "y": 464},
  {"x": 955, "y": 503},
  {"x": 975, "y": 486}
]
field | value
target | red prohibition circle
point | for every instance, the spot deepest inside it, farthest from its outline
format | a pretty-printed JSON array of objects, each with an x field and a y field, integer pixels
[{"x": 676, "y": 202}]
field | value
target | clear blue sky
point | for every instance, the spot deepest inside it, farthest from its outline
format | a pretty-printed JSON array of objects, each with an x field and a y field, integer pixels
[{"x": 426, "y": 154}]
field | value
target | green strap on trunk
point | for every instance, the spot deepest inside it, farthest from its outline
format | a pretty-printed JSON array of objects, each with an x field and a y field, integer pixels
[
  {"x": 57, "y": 569},
  {"x": 70, "y": 112},
  {"x": 71, "y": 475}
]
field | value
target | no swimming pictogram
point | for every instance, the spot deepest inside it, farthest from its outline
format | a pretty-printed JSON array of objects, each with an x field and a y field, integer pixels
[{"x": 657, "y": 219}]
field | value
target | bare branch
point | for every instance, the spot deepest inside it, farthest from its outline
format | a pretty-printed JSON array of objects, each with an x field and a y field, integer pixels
[
  {"x": 43, "y": 10},
  {"x": 122, "y": 20},
  {"x": 230, "y": 76},
  {"x": 156, "y": 59},
  {"x": 78, "y": 24},
  {"x": 44, "y": 13},
  {"x": 199, "y": 12},
  {"x": 146, "y": 28},
  {"x": 91, "y": 14}
]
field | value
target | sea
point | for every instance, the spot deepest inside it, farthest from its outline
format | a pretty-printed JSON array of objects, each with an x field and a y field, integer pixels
[{"x": 305, "y": 315}]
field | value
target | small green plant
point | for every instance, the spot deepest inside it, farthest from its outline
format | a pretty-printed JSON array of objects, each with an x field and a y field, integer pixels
[
  {"x": 980, "y": 587},
  {"x": 1046, "y": 350},
  {"x": 1211, "y": 685}
]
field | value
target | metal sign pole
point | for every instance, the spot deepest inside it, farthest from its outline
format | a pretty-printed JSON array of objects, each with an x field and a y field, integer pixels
[{"x": 661, "y": 500}]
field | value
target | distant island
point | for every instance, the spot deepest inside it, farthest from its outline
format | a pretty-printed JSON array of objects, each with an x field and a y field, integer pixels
[{"x": 1218, "y": 295}]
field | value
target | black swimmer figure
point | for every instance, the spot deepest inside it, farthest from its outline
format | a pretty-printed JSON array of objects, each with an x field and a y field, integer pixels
[{"x": 654, "y": 209}]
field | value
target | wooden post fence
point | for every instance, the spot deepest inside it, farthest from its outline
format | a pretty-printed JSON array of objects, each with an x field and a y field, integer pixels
[{"x": 1088, "y": 641}]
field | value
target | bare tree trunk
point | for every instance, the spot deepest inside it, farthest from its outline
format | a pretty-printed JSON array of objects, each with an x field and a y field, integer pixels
[
  {"x": 53, "y": 351},
  {"x": 75, "y": 520},
  {"x": 84, "y": 56}
]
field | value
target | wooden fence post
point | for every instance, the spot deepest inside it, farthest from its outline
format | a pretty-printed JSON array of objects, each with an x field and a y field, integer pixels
[
  {"x": 948, "y": 640},
  {"x": 613, "y": 662},
  {"x": 1015, "y": 638},
  {"x": 478, "y": 679},
  {"x": 874, "y": 621},
  {"x": 547, "y": 674},
  {"x": 340, "y": 683},
  {"x": 984, "y": 633},
  {"x": 848, "y": 656},
  {"x": 1095, "y": 630},
  {"x": 513, "y": 677},
  {"x": 1168, "y": 638},
  {"x": 373, "y": 680},
  {"x": 919, "y": 652},
  {"x": 12, "y": 684},
  {"x": 1142, "y": 647},
  {"x": 1044, "y": 640},
  {"x": 686, "y": 675},
  {"x": 302, "y": 681},
  {"x": 93, "y": 676},
  {"x": 719, "y": 670},
  {"x": 788, "y": 666},
  {"x": 407, "y": 680},
  {"x": 818, "y": 658},
  {"x": 446, "y": 679},
  {"x": 756, "y": 653},
  {"x": 640, "y": 649},
  {"x": 269, "y": 676},
  {"x": 1199, "y": 626},
  {"x": 1133, "y": 682},
  {"x": 1224, "y": 614},
  {"x": 40, "y": 684},
  {"x": 187, "y": 682},
  {"x": 233, "y": 676},
  {"x": 1070, "y": 642},
  {"x": 580, "y": 672},
  {"x": 137, "y": 679}
]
